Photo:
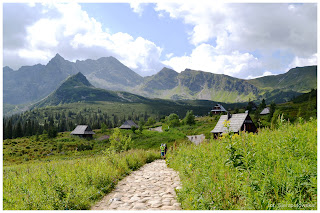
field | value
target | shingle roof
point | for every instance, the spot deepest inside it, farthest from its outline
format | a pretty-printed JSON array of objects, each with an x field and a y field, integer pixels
[
  {"x": 222, "y": 109},
  {"x": 265, "y": 111},
  {"x": 128, "y": 124},
  {"x": 82, "y": 130},
  {"x": 236, "y": 122}
]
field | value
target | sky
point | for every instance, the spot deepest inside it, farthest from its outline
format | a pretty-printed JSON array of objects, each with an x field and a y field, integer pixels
[{"x": 243, "y": 40}]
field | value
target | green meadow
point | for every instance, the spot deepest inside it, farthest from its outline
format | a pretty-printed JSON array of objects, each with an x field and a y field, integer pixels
[{"x": 275, "y": 169}]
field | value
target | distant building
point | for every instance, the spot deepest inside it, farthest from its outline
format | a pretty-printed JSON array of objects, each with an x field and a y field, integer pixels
[
  {"x": 265, "y": 111},
  {"x": 128, "y": 124},
  {"x": 83, "y": 131},
  {"x": 238, "y": 122},
  {"x": 217, "y": 109}
]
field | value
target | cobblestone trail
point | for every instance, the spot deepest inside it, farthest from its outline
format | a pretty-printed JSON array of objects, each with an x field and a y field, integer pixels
[{"x": 149, "y": 188}]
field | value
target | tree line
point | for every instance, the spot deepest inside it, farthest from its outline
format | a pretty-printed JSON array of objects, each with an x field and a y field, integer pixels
[{"x": 37, "y": 122}]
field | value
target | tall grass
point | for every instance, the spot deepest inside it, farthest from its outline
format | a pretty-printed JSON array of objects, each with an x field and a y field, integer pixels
[
  {"x": 274, "y": 169},
  {"x": 73, "y": 184}
]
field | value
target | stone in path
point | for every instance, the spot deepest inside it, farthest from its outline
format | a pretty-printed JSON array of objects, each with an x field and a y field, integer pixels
[
  {"x": 196, "y": 139},
  {"x": 158, "y": 129},
  {"x": 149, "y": 188}
]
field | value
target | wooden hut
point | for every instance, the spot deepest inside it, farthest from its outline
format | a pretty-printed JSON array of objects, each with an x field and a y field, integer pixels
[
  {"x": 217, "y": 109},
  {"x": 265, "y": 111},
  {"x": 128, "y": 125},
  {"x": 83, "y": 131},
  {"x": 238, "y": 122}
]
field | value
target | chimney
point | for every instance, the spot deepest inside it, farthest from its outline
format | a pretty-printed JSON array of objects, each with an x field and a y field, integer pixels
[{"x": 229, "y": 115}]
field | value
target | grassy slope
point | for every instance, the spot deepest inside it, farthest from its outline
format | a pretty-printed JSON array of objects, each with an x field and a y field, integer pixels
[
  {"x": 70, "y": 184},
  {"x": 300, "y": 79},
  {"x": 279, "y": 167}
]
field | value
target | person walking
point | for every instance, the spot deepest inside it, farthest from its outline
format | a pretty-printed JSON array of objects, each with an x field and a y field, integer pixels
[
  {"x": 162, "y": 150},
  {"x": 165, "y": 151}
]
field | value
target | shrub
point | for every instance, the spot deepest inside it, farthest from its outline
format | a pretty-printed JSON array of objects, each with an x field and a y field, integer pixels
[
  {"x": 173, "y": 120},
  {"x": 120, "y": 142}
]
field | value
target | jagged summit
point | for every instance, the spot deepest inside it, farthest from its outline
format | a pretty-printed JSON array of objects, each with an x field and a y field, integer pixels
[
  {"x": 77, "y": 80},
  {"x": 166, "y": 70}
]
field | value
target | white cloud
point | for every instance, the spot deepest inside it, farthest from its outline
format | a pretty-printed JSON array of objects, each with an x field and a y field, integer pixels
[
  {"x": 264, "y": 74},
  {"x": 137, "y": 7},
  {"x": 300, "y": 62},
  {"x": 169, "y": 55},
  {"x": 75, "y": 35},
  {"x": 234, "y": 39},
  {"x": 207, "y": 58},
  {"x": 239, "y": 32},
  {"x": 248, "y": 27}
]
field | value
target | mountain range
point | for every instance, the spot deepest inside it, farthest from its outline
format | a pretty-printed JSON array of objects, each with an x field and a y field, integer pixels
[
  {"x": 30, "y": 84},
  {"x": 77, "y": 88}
]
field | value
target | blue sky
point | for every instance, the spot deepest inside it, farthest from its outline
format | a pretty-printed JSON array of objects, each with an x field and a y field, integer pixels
[
  {"x": 169, "y": 34},
  {"x": 240, "y": 40}
]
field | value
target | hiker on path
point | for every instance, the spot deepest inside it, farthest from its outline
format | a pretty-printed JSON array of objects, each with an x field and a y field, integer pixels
[
  {"x": 162, "y": 149},
  {"x": 165, "y": 151}
]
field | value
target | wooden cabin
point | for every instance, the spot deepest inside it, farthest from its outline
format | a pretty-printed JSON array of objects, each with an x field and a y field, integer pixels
[
  {"x": 83, "y": 131},
  {"x": 265, "y": 111},
  {"x": 217, "y": 109},
  {"x": 128, "y": 125},
  {"x": 238, "y": 122}
]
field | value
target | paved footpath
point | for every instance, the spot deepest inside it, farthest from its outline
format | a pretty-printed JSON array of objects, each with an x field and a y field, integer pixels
[{"x": 149, "y": 188}]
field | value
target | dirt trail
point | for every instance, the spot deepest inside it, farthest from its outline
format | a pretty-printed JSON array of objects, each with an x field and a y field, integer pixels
[{"x": 149, "y": 188}]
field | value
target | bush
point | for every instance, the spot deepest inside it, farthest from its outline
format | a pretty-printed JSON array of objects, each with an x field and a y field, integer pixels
[
  {"x": 189, "y": 119},
  {"x": 120, "y": 142},
  {"x": 173, "y": 120},
  {"x": 151, "y": 121}
]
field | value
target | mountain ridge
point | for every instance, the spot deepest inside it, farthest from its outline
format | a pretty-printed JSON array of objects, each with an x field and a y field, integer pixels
[{"x": 33, "y": 83}]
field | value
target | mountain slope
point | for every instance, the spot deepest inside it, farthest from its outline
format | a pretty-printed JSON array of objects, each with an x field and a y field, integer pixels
[
  {"x": 31, "y": 83},
  {"x": 299, "y": 79},
  {"x": 109, "y": 73},
  {"x": 77, "y": 88},
  {"x": 191, "y": 84}
]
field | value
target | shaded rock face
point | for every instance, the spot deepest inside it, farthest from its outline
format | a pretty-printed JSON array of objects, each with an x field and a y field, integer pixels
[{"x": 32, "y": 83}]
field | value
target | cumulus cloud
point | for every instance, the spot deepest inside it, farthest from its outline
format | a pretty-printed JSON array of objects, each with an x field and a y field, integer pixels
[
  {"x": 246, "y": 33},
  {"x": 300, "y": 62},
  {"x": 241, "y": 40},
  {"x": 207, "y": 58},
  {"x": 68, "y": 30},
  {"x": 249, "y": 26},
  {"x": 137, "y": 7}
]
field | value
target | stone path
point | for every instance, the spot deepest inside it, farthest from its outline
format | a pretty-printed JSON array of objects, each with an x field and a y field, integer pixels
[{"x": 149, "y": 188}]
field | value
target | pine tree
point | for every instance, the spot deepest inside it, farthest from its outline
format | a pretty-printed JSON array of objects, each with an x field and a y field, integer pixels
[
  {"x": 272, "y": 110},
  {"x": 18, "y": 131},
  {"x": 9, "y": 129},
  {"x": 189, "y": 119},
  {"x": 263, "y": 104}
]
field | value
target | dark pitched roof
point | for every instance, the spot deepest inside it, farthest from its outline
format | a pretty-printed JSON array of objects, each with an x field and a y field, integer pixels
[
  {"x": 236, "y": 122},
  {"x": 128, "y": 124},
  {"x": 222, "y": 109},
  {"x": 265, "y": 111},
  {"x": 82, "y": 130}
]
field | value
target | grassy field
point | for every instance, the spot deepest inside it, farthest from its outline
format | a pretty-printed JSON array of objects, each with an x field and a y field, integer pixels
[
  {"x": 274, "y": 169},
  {"x": 64, "y": 147},
  {"x": 68, "y": 184}
]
